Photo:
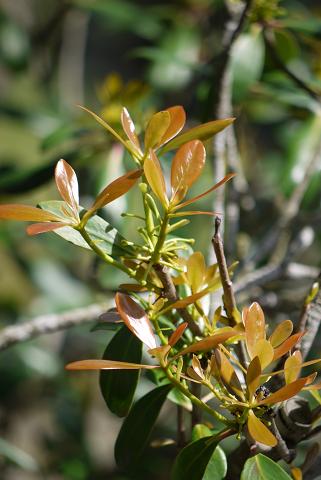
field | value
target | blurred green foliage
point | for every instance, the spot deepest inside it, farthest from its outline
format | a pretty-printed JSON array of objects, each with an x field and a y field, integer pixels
[{"x": 146, "y": 55}]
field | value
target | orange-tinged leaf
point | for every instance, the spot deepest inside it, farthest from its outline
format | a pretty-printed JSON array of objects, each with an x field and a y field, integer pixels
[
  {"x": 156, "y": 129},
  {"x": 188, "y": 213},
  {"x": 136, "y": 319},
  {"x": 254, "y": 324},
  {"x": 198, "y": 197},
  {"x": 37, "y": 228},
  {"x": 177, "y": 122},
  {"x": 208, "y": 343},
  {"x": 129, "y": 127},
  {"x": 106, "y": 365},
  {"x": 292, "y": 367},
  {"x": 264, "y": 350},
  {"x": 281, "y": 333},
  {"x": 259, "y": 432},
  {"x": 177, "y": 334},
  {"x": 287, "y": 345},
  {"x": 67, "y": 184},
  {"x": 160, "y": 353},
  {"x": 228, "y": 375},
  {"x": 253, "y": 376},
  {"x": 201, "y": 132},
  {"x": 196, "y": 271},
  {"x": 116, "y": 189},
  {"x": 187, "y": 166},
  {"x": 27, "y": 213},
  {"x": 184, "y": 302},
  {"x": 285, "y": 392},
  {"x": 296, "y": 473},
  {"x": 314, "y": 386},
  {"x": 155, "y": 177},
  {"x": 192, "y": 375}
]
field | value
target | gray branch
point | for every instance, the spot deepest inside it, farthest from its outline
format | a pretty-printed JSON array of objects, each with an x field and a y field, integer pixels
[{"x": 49, "y": 323}]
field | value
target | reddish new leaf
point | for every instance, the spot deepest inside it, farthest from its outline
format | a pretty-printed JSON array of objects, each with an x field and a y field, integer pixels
[
  {"x": 177, "y": 334},
  {"x": 198, "y": 197},
  {"x": 106, "y": 365},
  {"x": 67, "y": 184},
  {"x": 136, "y": 319},
  {"x": 27, "y": 213},
  {"x": 259, "y": 432},
  {"x": 208, "y": 343},
  {"x": 177, "y": 122},
  {"x": 287, "y": 345},
  {"x": 116, "y": 189},
  {"x": 129, "y": 128},
  {"x": 285, "y": 392},
  {"x": 37, "y": 228},
  {"x": 155, "y": 177},
  {"x": 253, "y": 376},
  {"x": 187, "y": 166}
]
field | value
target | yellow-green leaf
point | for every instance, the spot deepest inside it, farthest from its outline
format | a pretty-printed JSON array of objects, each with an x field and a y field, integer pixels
[
  {"x": 259, "y": 432},
  {"x": 187, "y": 166},
  {"x": 264, "y": 350},
  {"x": 156, "y": 129},
  {"x": 196, "y": 271},
  {"x": 201, "y": 132},
  {"x": 292, "y": 367},
  {"x": 281, "y": 333},
  {"x": 155, "y": 177}
]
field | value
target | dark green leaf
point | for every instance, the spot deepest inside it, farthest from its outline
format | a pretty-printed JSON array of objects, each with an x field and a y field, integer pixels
[
  {"x": 106, "y": 236},
  {"x": 261, "y": 467},
  {"x": 137, "y": 427},
  {"x": 118, "y": 386},
  {"x": 192, "y": 461}
]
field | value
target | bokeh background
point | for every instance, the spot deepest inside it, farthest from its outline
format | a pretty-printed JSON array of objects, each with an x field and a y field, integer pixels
[{"x": 146, "y": 55}]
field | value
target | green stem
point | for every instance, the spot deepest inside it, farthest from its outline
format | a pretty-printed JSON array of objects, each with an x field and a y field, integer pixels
[
  {"x": 103, "y": 255},
  {"x": 196, "y": 401}
]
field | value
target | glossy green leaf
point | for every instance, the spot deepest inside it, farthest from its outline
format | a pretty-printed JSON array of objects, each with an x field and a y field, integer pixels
[
  {"x": 192, "y": 461},
  {"x": 137, "y": 427},
  {"x": 217, "y": 466},
  {"x": 261, "y": 467},
  {"x": 177, "y": 397},
  {"x": 201, "y": 132},
  {"x": 106, "y": 236},
  {"x": 118, "y": 386}
]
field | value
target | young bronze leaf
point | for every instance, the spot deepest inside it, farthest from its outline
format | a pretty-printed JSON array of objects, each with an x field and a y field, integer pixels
[
  {"x": 264, "y": 350},
  {"x": 253, "y": 376},
  {"x": 156, "y": 129},
  {"x": 155, "y": 177},
  {"x": 281, "y": 333},
  {"x": 136, "y": 319},
  {"x": 27, "y": 213},
  {"x": 208, "y": 343},
  {"x": 129, "y": 128},
  {"x": 198, "y": 197},
  {"x": 184, "y": 302},
  {"x": 201, "y": 132},
  {"x": 67, "y": 184},
  {"x": 285, "y": 392},
  {"x": 188, "y": 213},
  {"x": 287, "y": 345},
  {"x": 292, "y": 367},
  {"x": 37, "y": 228},
  {"x": 259, "y": 432},
  {"x": 106, "y": 365},
  {"x": 116, "y": 189},
  {"x": 187, "y": 166},
  {"x": 177, "y": 122},
  {"x": 177, "y": 334},
  {"x": 254, "y": 324},
  {"x": 228, "y": 375}
]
